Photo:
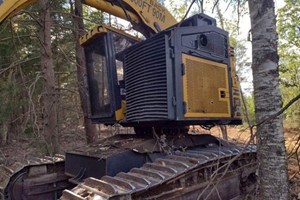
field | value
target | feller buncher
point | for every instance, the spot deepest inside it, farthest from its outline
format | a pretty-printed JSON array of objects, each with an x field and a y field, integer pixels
[{"x": 182, "y": 74}]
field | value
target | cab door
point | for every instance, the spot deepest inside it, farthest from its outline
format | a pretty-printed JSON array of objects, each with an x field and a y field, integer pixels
[
  {"x": 103, "y": 52},
  {"x": 100, "y": 76}
]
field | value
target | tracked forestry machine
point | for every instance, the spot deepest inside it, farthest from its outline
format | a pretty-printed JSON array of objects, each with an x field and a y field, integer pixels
[{"x": 181, "y": 74}]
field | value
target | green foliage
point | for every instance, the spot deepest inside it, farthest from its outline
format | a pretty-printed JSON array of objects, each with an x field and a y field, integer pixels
[
  {"x": 249, "y": 101},
  {"x": 289, "y": 52},
  {"x": 178, "y": 9},
  {"x": 18, "y": 64},
  {"x": 288, "y": 23},
  {"x": 93, "y": 17},
  {"x": 243, "y": 63},
  {"x": 20, "y": 71},
  {"x": 29, "y": 132},
  {"x": 6, "y": 107}
]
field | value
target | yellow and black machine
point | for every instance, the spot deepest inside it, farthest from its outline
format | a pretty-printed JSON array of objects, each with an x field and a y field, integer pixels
[
  {"x": 164, "y": 82},
  {"x": 182, "y": 74}
]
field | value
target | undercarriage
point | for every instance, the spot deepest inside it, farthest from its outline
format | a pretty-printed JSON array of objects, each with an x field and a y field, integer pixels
[{"x": 185, "y": 166}]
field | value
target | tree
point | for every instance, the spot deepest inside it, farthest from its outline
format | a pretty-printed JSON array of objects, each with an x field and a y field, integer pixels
[
  {"x": 25, "y": 87},
  {"x": 49, "y": 97},
  {"x": 90, "y": 129},
  {"x": 273, "y": 177}
]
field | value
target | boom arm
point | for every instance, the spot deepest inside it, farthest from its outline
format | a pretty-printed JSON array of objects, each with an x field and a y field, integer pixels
[
  {"x": 10, "y": 7},
  {"x": 147, "y": 16}
]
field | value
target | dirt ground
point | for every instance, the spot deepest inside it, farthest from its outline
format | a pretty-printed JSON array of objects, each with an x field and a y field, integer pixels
[{"x": 23, "y": 148}]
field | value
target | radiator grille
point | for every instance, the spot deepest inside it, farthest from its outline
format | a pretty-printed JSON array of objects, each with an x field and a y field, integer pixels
[
  {"x": 146, "y": 81},
  {"x": 203, "y": 84}
]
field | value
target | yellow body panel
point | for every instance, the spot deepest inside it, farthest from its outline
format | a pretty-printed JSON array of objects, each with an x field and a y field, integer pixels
[
  {"x": 120, "y": 114},
  {"x": 203, "y": 83},
  {"x": 98, "y": 30},
  {"x": 112, "y": 9},
  {"x": 235, "y": 81},
  {"x": 235, "y": 86},
  {"x": 10, "y": 7}
]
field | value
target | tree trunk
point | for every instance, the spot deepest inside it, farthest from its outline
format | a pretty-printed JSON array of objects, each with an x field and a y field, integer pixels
[
  {"x": 224, "y": 132},
  {"x": 90, "y": 129},
  {"x": 49, "y": 96},
  {"x": 273, "y": 177},
  {"x": 3, "y": 134},
  {"x": 220, "y": 16}
]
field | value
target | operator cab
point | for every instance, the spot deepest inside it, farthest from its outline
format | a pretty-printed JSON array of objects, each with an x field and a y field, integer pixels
[{"x": 104, "y": 47}]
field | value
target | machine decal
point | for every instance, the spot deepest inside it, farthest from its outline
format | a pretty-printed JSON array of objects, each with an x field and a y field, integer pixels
[{"x": 151, "y": 7}]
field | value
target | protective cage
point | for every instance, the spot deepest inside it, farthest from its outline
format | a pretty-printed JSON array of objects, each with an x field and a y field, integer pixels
[{"x": 183, "y": 75}]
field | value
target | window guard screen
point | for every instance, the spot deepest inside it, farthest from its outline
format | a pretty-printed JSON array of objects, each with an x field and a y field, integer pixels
[{"x": 97, "y": 70}]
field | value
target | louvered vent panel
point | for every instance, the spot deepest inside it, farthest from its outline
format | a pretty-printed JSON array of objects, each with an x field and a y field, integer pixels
[{"x": 146, "y": 81}]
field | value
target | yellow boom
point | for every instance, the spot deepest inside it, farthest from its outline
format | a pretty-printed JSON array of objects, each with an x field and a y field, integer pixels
[{"x": 10, "y": 7}]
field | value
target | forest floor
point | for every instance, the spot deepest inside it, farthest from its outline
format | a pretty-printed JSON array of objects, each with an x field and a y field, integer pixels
[{"x": 24, "y": 148}]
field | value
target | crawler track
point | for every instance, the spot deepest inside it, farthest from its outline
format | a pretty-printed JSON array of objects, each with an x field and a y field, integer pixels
[
  {"x": 37, "y": 179},
  {"x": 225, "y": 172}
]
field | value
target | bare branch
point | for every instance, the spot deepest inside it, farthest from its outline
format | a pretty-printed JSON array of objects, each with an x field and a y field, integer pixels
[
  {"x": 215, "y": 4},
  {"x": 31, "y": 104},
  {"x": 186, "y": 13},
  {"x": 246, "y": 113},
  {"x": 295, "y": 148},
  {"x": 67, "y": 89},
  {"x": 238, "y": 13},
  {"x": 16, "y": 63},
  {"x": 32, "y": 16},
  {"x": 9, "y": 38},
  {"x": 291, "y": 102},
  {"x": 228, "y": 5}
]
